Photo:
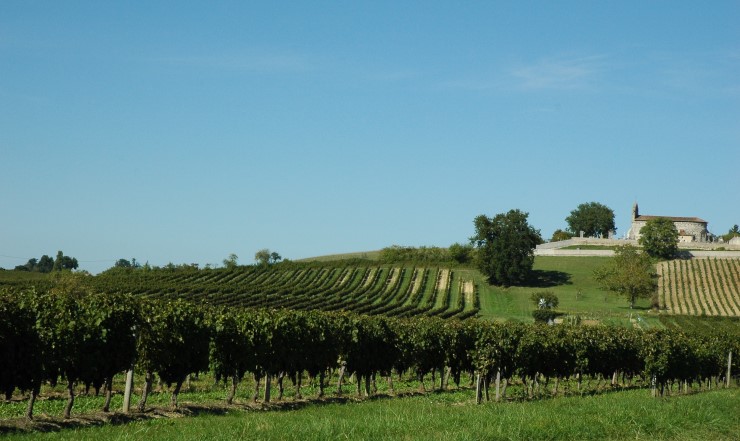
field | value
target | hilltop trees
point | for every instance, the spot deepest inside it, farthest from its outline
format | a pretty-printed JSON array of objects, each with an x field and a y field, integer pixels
[
  {"x": 630, "y": 273},
  {"x": 265, "y": 257},
  {"x": 46, "y": 264},
  {"x": 231, "y": 261},
  {"x": 659, "y": 238},
  {"x": 505, "y": 246},
  {"x": 559, "y": 235},
  {"x": 593, "y": 218}
]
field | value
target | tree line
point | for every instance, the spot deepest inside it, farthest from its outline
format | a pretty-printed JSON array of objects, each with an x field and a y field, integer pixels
[
  {"x": 46, "y": 264},
  {"x": 68, "y": 334}
]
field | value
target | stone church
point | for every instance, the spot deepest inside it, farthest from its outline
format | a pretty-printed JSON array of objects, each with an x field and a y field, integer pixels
[{"x": 690, "y": 229}]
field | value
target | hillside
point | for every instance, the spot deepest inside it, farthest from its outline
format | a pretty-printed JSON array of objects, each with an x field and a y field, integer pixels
[{"x": 359, "y": 282}]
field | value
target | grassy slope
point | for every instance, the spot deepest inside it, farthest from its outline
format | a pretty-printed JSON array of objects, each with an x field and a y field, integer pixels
[
  {"x": 454, "y": 416},
  {"x": 579, "y": 294}
]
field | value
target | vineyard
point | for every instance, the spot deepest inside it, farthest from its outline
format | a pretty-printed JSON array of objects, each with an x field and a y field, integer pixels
[
  {"x": 88, "y": 339},
  {"x": 709, "y": 287},
  {"x": 393, "y": 291}
]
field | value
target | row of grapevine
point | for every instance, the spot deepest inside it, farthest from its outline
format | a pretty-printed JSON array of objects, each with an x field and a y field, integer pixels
[
  {"x": 391, "y": 291},
  {"x": 708, "y": 287},
  {"x": 88, "y": 338}
]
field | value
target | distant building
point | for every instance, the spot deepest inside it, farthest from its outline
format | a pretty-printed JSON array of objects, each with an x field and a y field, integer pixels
[
  {"x": 734, "y": 241},
  {"x": 690, "y": 229}
]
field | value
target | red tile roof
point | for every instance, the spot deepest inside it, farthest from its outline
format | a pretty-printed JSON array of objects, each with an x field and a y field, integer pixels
[{"x": 673, "y": 219}]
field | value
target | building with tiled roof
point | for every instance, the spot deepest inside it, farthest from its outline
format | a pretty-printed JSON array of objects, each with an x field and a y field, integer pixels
[{"x": 690, "y": 229}]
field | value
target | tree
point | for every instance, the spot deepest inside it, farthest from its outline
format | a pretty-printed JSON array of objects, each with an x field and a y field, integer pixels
[
  {"x": 262, "y": 256},
  {"x": 629, "y": 273},
  {"x": 733, "y": 232},
  {"x": 544, "y": 302},
  {"x": 45, "y": 264},
  {"x": 461, "y": 253},
  {"x": 659, "y": 238},
  {"x": 122, "y": 263},
  {"x": 593, "y": 218},
  {"x": 266, "y": 257},
  {"x": 559, "y": 235},
  {"x": 230, "y": 262},
  {"x": 505, "y": 246}
]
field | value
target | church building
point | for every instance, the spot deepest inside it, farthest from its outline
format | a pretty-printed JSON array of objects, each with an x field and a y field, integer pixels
[{"x": 690, "y": 229}]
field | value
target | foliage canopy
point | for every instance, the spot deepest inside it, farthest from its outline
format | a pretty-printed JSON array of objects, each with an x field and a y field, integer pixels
[
  {"x": 593, "y": 218},
  {"x": 630, "y": 273},
  {"x": 659, "y": 238},
  {"x": 505, "y": 246}
]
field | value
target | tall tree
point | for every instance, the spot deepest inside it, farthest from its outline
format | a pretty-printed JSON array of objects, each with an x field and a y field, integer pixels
[
  {"x": 45, "y": 264},
  {"x": 659, "y": 238},
  {"x": 505, "y": 246},
  {"x": 231, "y": 261},
  {"x": 262, "y": 256},
  {"x": 734, "y": 231},
  {"x": 592, "y": 218},
  {"x": 629, "y": 273}
]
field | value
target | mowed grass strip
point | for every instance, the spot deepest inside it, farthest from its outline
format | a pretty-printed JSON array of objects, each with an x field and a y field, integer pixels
[
  {"x": 571, "y": 278},
  {"x": 451, "y": 416}
]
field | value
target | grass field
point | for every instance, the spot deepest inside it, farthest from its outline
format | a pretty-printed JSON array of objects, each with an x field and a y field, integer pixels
[
  {"x": 446, "y": 416},
  {"x": 571, "y": 279}
]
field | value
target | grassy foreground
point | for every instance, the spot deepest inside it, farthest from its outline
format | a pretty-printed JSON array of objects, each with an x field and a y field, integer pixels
[{"x": 451, "y": 416}]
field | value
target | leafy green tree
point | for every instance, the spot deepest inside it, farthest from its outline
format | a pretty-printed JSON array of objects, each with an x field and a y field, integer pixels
[
  {"x": 592, "y": 218},
  {"x": 659, "y": 238},
  {"x": 122, "y": 263},
  {"x": 629, "y": 273},
  {"x": 44, "y": 265},
  {"x": 505, "y": 245},
  {"x": 262, "y": 257},
  {"x": 266, "y": 257},
  {"x": 461, "y": 253},
  {"x": 231, "y": 261},
  {"x": 544, "y": 300},
  {"x": 560, "y": 235}
]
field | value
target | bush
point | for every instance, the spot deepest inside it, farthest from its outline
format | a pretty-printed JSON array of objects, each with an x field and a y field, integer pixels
[
  {"x": 544, "y": 300},
  {"x": 544, "y": 315}
]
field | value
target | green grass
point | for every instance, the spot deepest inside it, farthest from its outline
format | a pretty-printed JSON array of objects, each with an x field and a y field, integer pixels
[
  {"x": 571, "y": 279},
  {"x": 449, "y": 416}
]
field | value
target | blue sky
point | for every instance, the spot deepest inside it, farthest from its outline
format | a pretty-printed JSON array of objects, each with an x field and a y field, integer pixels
[{"x": 174, "y": 133}]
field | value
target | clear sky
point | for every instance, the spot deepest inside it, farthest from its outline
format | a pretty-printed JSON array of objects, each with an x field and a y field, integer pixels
[{"x": 182, "y": 132}]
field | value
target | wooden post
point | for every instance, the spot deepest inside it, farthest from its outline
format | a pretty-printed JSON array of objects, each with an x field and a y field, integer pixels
[
  {"x": 127, "y": 390},
  {"x": 267, "y": 388},
  {"x": 341, "y": 377},
  {"x": 478, "y": 389},
  {"x": 729, "y": 367},
  {"x": 498, "y": 385}
]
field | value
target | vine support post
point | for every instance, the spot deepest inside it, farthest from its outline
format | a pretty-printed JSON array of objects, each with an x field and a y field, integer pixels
[
  {"x": 127, "y": 390},
  {"x": 729, "y": 368},
  {"x": 267, "y": 387},
  {"x": 478, "y": 389},
  {"x": 498, "y": 385}
]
